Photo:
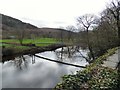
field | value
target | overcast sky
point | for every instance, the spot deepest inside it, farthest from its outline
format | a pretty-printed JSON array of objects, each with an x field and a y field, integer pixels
[{"x": 51, "y": 13}]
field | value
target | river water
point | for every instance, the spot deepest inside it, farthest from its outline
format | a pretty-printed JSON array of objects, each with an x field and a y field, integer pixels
[{"x": 33, "y": 72}]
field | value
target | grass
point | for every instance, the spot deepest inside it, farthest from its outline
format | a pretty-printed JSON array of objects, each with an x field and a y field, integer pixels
[
  {"x": 7, "y": 45},
  {"x": 15, "y": 47},
  {"x": 8, "y": 40},
  {"x": 42, "y": 40},
  {"x": 37, "y": 41},
  {"x": 18, "y": 48}
]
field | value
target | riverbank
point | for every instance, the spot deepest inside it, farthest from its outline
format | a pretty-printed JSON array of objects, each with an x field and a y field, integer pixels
[
  {"x": 10, "y": 53},
  {"x": 94, "y": 77}
]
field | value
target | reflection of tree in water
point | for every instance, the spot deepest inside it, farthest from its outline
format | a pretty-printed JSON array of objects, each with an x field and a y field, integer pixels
[
  {"x": 20, "y": 62},
  {"x": 66, "y": 52},
  {"x": 33, "y": 58},
  {"x": 69, "y": 52}
]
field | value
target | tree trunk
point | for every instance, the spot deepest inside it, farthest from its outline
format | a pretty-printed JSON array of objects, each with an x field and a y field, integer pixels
[
  {"x": 21, "y": 41},
  {"x": 90, "y": 47},
  {"x": 118, "y": 26}
]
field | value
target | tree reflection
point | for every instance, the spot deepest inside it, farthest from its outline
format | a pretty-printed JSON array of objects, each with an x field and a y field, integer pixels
[
  {"x": 20, "y": 62},
  {"x": 33, "y": 58},
  {"x": 69, "y": 52},
  {"x": 65, "y": 52}
]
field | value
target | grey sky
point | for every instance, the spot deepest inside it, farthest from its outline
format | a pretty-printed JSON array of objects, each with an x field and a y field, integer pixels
[{"x": 51, "y": 13}]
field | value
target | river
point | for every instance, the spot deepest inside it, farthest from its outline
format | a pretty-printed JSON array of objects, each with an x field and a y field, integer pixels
[{"x": 33, "y": 72}]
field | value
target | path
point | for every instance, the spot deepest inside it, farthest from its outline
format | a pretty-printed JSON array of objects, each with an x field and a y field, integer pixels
[{"x": 112, "y": 60}]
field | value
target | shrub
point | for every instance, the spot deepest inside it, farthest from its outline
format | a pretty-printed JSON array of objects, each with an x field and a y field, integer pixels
[{"x": 96, "y": 79}]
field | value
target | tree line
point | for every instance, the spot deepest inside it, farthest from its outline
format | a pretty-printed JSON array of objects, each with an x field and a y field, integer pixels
[{"x": 99, "y": 34}]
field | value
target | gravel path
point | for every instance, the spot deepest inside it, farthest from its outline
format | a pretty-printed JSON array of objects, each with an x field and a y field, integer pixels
[{"x": 112, "y": 60}]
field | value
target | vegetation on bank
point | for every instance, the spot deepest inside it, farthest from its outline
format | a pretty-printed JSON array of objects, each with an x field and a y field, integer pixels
[
  {"x": 94, "y": 77},
  {"x": 13, "y": 46},
  {"x": 36, "y": 41}
]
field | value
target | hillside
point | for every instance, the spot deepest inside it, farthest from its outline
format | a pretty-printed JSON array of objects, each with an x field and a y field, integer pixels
[
  {"x": 10, "y": 25},
  {"x": 11, "y": 22}
]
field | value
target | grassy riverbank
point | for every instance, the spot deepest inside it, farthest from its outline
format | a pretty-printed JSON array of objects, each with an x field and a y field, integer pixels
[
  {"x": 15, "y": 45},
  {"x": 94, "y": 77},
  {"x": 37, "y": 41},
  {"x": 12, "y": 48}
]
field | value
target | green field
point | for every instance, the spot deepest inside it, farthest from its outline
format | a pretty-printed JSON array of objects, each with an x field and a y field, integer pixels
[
  {"x": 17, "y": 48},
  {"x": 38, "y": 40}
]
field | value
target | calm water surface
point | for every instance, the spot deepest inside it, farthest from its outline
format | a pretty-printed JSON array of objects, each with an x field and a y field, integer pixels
[{"x": 33, "y": 72}]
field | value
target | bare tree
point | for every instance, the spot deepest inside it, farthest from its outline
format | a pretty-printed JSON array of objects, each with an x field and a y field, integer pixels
[
  {"x": 71, "y": 29},
  {"x": 114, "y": 9},
  {"x": 86, "y": 22},
  {"x": 20, "y": 35},
  {"x": 61, "y": 34}
]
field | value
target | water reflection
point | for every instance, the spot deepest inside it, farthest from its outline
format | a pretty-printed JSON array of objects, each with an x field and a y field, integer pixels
[
  {"x": 65, "y": 51},
  {"x": 71, "y": 53},
  {"x": 29, "y": 71},
  {"x": 20, "y": 61},
  {"x": 33, "y": 58}
]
